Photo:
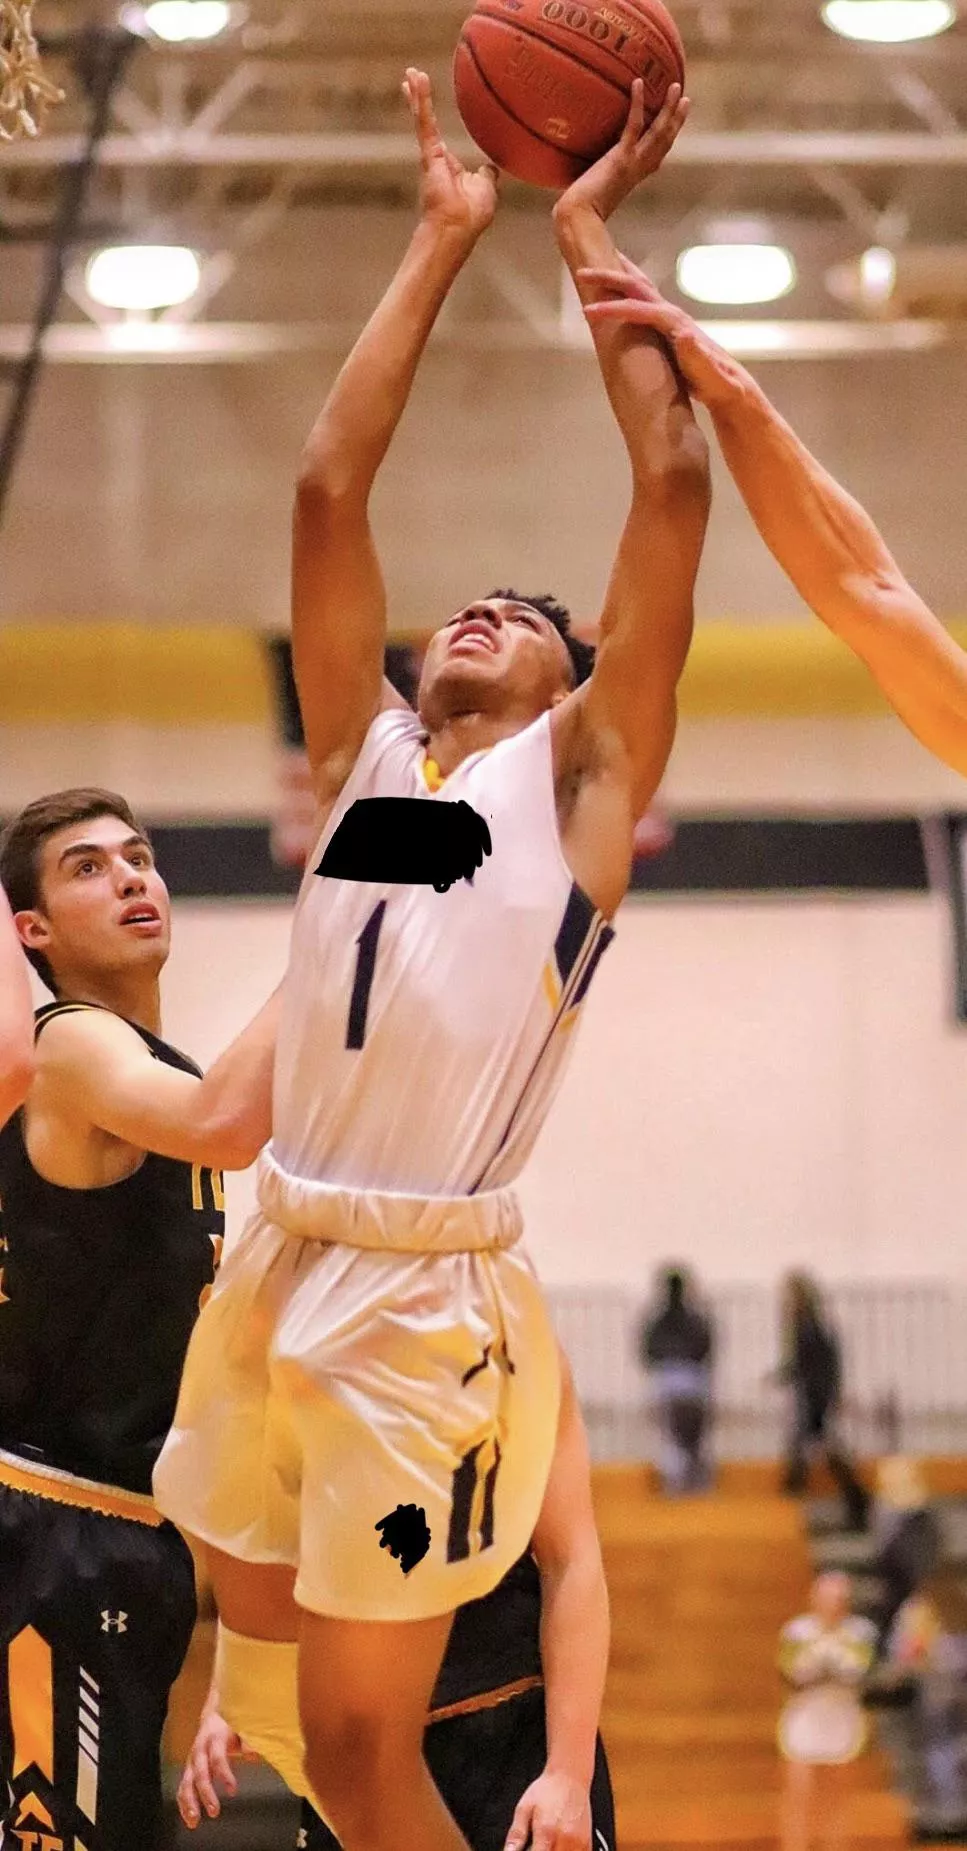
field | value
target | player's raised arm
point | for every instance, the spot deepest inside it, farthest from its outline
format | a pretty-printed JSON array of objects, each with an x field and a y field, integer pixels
[
  {"x": 646, "y": 624},
  {"x": 16, "y": 1018},
  {"x": 818, "y": 533},
  {"x": 95, "y": 1070},
  {"x": 339, "y": 603}
]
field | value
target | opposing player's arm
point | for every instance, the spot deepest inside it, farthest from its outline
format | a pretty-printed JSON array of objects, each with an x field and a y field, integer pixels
[
  {"x": 629, "y": 706},
  {"x": 95, "y": 1070},
  {"x": 338, "y": 596},
  {"x": 820, "y": 535},
  {"x": 840, "y": 564},
  {"x": 17, "y": 1062},
  {"x": 575, "y": 1623}
]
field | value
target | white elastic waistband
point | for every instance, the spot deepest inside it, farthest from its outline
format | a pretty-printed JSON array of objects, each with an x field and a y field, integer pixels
[{"x": 387, "y": 1223}]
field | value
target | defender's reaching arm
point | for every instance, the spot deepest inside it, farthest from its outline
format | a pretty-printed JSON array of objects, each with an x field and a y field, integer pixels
[
  {"x": 95, "y": 1071},
  {"x": 16, "y": 1018},
  {"x": 629, "y": 705},
  {"x": 338, "y": 597},
  {"x": 823, "y": 539}
]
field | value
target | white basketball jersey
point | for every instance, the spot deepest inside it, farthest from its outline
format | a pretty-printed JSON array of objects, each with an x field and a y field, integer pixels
[{"x": 464, "y": 1002}]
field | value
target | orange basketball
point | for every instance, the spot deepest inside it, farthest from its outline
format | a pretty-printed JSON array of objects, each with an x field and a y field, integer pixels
[{"x": 544, "y": 85}]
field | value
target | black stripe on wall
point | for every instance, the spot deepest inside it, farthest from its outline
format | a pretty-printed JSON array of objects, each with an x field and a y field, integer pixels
[{"x": 732, "y": 855}]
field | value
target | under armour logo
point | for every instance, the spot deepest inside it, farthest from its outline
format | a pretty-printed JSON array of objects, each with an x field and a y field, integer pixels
[
  {"x": 602, "y": 1841},
  {"x": 302, "y": 1840},
  {"x": 113, "y": 1622}
]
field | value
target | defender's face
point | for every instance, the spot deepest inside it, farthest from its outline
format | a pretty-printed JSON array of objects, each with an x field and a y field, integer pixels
[
  {"x": 495, "y": 647},
  {"x": 104, "y": 908}
]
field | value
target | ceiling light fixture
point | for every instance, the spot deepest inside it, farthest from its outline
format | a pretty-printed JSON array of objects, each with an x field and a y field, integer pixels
[
  {"x": 735, "y": 274},
  {"x": 181, "y": 22},
  {"x": 889, "y": 22},
  {"x": 142, "y": 277}
]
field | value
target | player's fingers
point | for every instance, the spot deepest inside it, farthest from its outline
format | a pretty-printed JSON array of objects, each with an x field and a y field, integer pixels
[
  {"x": 221, "y": 1770},
  {"x": 603, "y": 277},
  {"x": 203, "y": 1786},
  {"x": 629, "y": 280},
  {"x": 662, "y": 123},
  {"x": 188, "y": 1800},
  {"x": 636, "y": 314},
  {"x": 490, "y": 171},
  {"x": 636, "y": 114},
  {"x": 520, "y": 1826}
]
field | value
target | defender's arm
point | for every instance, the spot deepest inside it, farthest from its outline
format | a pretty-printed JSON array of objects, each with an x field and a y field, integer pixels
[
  {"x": 823, "y": 539},
  {"x": 95, "y": 1070}
]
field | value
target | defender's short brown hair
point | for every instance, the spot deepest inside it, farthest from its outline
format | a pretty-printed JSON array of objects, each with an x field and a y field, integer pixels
[{"x": 23, "y": 838}]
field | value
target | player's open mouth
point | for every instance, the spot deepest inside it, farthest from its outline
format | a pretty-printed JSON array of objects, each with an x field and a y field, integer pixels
[
  {"x": 484, "y": 639},
  {"x": 142, "y": 918}
]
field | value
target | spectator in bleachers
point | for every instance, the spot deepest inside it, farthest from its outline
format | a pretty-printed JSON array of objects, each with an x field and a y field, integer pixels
[
  {"x": 824, "y": 1655},
  {"x": 812, "y": 1367},
  {"x": 929, "y": 1640},
  {"x": 907, "y": 1537},
  {"x": 676, "y": 1347}
]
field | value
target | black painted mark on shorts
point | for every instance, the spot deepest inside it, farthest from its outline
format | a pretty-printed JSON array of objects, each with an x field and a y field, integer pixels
[
  {"x": 476, "y": 1368},
  {"x": 406, "y": 1535},
  {"x": 408, "y": 841}
]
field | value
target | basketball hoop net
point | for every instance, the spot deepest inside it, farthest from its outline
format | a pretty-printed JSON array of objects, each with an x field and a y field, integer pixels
[{"x": 25, "y": 93}]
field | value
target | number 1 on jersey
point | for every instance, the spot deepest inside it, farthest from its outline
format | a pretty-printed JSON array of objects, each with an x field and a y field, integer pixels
[{"x": 365, "y": 971}]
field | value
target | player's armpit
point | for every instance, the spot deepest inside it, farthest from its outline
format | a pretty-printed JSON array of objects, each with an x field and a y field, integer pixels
[
  {"x": 96, "y": 1070},
  {"x": 913, "y": 659},
  {"x": 646, "y": 625}
]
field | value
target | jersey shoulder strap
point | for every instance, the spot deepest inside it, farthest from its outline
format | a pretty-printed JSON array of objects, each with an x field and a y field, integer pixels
[{"x": 49, "y": 1012}]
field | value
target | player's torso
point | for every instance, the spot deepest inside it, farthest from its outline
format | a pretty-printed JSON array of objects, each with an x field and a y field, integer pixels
[
  {"x": 424, "y": 1033},
  {"x": 99, "y": 1291}
]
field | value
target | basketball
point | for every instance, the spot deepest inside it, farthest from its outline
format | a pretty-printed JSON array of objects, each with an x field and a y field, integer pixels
[{"x": 544, "y": 86}]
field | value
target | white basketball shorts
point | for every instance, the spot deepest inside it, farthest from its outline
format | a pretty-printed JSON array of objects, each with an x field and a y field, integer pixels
[{"x": 371, "y": 1396}]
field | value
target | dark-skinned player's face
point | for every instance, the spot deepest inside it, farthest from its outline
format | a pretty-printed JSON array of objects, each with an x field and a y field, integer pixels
[
  {"x": 495, "y": 654},
  {"x": 103, "y": 908}
]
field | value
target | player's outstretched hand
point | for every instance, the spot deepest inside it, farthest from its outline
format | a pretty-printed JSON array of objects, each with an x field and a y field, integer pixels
[
  {"x": 554, "y": 1814},
  {"x": 627, "y": 295},
  {"x": 639, "y": 152},
  {"x": 213, "y": 1750},
  {"x": 450, "y": 194}
]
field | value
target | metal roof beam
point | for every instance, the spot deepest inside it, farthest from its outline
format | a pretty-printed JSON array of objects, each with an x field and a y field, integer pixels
[{"x": 769, "y": 148}]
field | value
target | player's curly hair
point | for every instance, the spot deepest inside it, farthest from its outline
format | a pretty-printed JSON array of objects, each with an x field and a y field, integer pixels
[{"x": 581, "y": 654}]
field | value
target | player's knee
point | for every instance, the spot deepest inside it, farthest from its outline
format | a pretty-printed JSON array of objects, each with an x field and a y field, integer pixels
[{"x": 358, "y": 1766}]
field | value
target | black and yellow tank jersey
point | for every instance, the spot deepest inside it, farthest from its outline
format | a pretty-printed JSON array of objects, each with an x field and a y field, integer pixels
[
  {"x": 494, "y": 1642},
  {"x": 99, "y": 1290}
]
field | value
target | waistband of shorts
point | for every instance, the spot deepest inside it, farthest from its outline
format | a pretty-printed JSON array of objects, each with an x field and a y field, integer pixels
[
  {"x": 386, "y": 1222},
  {"x": 48, "y": 1481},
  {"x": 488, "y": 1700}
]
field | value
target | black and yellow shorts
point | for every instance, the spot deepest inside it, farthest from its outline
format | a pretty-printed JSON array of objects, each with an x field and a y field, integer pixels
[
  {"x": 483, "y": 1756},
  {"x": 97, "y": 1606}
]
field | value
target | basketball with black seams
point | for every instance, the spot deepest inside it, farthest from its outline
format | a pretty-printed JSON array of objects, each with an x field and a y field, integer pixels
[{"x": 544, "y": 86}]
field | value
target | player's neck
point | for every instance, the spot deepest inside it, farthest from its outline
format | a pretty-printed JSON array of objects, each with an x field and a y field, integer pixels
[
  {"x": 463, "y": 734},
  {"x": 137, "y": 998}
]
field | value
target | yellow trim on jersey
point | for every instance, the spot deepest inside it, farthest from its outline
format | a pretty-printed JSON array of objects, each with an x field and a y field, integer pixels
[
  {"x": 48, "y": 1481},
  {"x": 552, "y": 987},
  {"x": 30, "y": 1677},
  {"x": 488, "y": 1701}
]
